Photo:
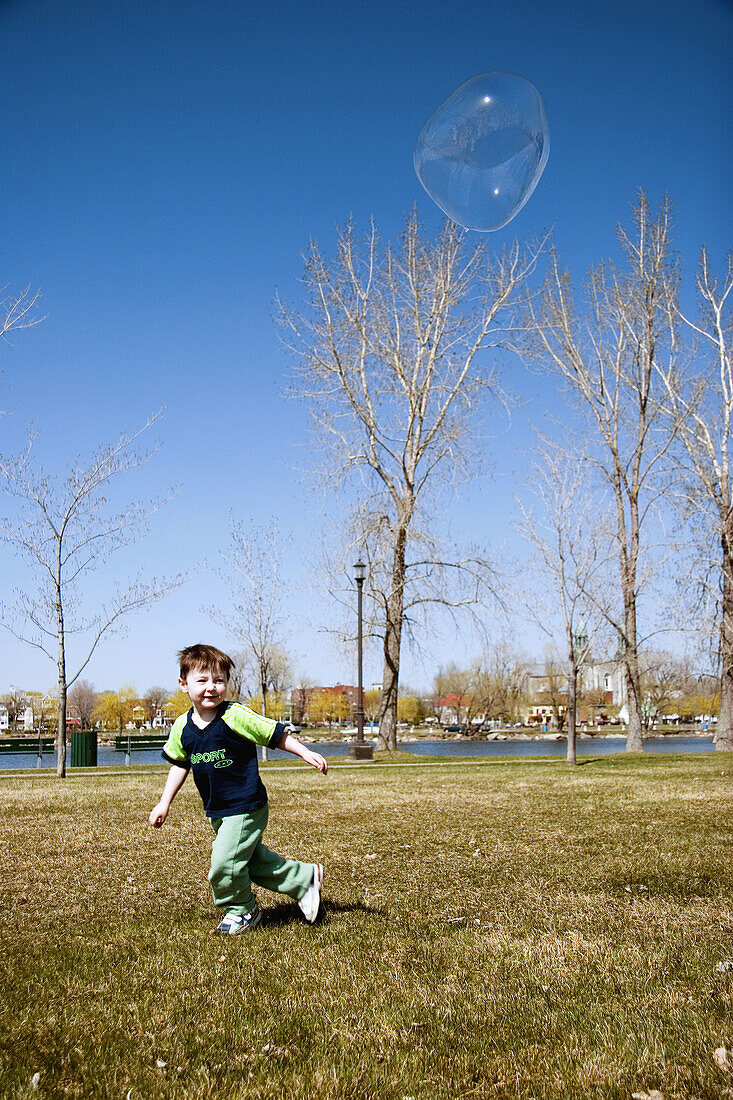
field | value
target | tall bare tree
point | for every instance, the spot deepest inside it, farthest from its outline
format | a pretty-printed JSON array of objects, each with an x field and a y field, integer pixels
[
  {"x": 391, "y": 352},
  {"x": 703, "y": 403},
  {"x": 570, "y": 560},
  {"x": 65, "y": 530},
  {"x": 610, "y": 359}
]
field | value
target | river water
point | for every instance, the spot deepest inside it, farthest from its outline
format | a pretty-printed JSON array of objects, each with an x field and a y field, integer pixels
[{"x": 585, "y": 746}]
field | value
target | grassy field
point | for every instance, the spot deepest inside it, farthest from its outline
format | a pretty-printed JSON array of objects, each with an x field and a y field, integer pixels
[{"x": 490, "y": 929}]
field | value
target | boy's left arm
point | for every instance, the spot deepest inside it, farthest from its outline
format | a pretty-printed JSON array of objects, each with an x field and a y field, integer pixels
[
  {"x": 293, "y": 745},
  {"x": 264, "y": 731}
]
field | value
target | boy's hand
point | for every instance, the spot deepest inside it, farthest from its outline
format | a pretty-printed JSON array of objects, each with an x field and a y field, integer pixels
[
  {"x": 158, "y": 815},
  {"x": 291, "y": 744},
  {"x": 316, "y": 761}
]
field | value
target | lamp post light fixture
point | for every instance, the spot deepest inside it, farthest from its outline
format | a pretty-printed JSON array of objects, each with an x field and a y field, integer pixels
[{"x": 360, "y": 749}]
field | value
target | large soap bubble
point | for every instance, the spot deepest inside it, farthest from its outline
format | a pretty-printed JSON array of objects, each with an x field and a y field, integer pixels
[{"x": 481, "y": 154}]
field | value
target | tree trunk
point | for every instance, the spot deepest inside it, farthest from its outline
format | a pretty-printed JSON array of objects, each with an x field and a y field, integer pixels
[
  {"x": 387, "y": 738},
  {"x": 634, "y": 740},
  {"x": 61, "y": 664},
  {"x": 572, "y": 705},
  {"x": 724, "y": 732}
]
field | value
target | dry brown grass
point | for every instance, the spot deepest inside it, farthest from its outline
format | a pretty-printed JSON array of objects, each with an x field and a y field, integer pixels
[{"x": 489, "y": 931}]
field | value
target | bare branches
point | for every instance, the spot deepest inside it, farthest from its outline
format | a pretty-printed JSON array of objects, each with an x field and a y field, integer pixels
[
  {"x": 138, "y": 595},
  {"x": 570, "y": 593},
  {"x": 702, "y": 401},
  {"x": 18, "y": 312},
  {"x": 387, "y": 351},
  {"x": 489, "y": 689},
  {"x": 571, "y": 546},
  {"x": 68, "y": 528},
  {"x": 610, "y": 359},
  {"x": 65, "y": 529},
  {"x": 254, "y": 616},
  {"x": 390, "y": 354}
]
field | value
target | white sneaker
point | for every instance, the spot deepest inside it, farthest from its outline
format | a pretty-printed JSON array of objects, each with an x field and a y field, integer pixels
[{"x": 311, "y": 900}]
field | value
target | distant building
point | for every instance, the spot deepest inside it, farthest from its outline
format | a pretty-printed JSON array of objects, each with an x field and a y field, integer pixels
[{"x": 4, "y": 718}]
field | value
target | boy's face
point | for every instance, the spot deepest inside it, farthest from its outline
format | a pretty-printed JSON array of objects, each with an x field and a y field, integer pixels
[{"x": 205, "y": 688}]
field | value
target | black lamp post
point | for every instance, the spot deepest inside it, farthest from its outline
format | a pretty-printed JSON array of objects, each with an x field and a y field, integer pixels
[{"x": 360, "y": 750}]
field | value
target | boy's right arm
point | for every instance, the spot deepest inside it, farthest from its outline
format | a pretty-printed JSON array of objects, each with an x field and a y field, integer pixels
[{"x": 174, "y": 782}]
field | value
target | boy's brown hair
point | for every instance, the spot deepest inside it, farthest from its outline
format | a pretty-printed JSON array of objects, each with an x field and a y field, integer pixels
[{"x": 206, "y": 657}]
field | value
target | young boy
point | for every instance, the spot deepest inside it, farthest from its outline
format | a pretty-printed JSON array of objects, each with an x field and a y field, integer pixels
[{"x": 218, "y": 742}]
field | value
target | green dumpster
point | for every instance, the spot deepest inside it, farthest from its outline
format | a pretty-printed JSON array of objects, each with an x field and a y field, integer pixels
[{"x": 83, "y": 748}]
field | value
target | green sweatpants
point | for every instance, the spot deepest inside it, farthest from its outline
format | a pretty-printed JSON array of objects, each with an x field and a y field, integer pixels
[{"x": 239, "y": 858}]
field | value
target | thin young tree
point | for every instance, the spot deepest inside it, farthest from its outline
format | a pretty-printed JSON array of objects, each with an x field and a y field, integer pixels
[
  {"x": 392, "y": 354},
  {"x": 569, "y": 560},
  {"x": 254, "y": 616},
  {"x": 609, "y": 358},
  {"x": 65, "y": 529},
  {"x": 702, "y": 402}
]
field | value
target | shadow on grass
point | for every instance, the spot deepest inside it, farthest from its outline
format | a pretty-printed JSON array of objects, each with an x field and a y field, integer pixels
[{"x": 278, "y": 915}]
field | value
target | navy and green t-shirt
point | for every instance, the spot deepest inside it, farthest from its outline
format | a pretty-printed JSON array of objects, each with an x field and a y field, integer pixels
[{"x": 223, "y": 757}]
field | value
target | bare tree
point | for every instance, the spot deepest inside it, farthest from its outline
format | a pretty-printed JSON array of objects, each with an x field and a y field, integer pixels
[
  {"x": 155, "y": 699},
  {"x": 254, "y": 616},
  {"x": 238, "y": 690},
  {"x": 489, "y": 688},
  {"x": 391, "y": 351},
  {"x": 570, "y": 559},
  {"x": 703, "y": 403},
  {"x": 663, "y": 680},
  {"x": 83, "y": 698},
  {"x": 503, "y": 672},
  {"x": 610, "y": 360},
  {"x": 456, "y": 695},
  {"x": 556, "y": 691},
  {"x": 372, "y": 700},
  {"x": 300, "y": 697},
  {"x": 65, "y": 531},
  {"x": 15, "y": 701}
]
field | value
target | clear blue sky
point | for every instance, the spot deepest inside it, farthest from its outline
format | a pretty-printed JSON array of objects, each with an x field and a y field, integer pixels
[{"x": 165, "y": 162}]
